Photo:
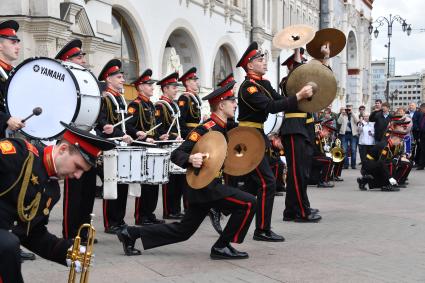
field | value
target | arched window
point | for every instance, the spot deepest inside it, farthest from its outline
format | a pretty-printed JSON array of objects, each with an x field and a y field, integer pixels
[
  {"x": 222, "y": 65},
  {"x": 128, "y": 52}
]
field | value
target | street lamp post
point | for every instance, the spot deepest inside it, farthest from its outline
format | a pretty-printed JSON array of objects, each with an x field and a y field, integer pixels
[
  {"x": 393, "y": 96},
  {"x": 381, "y": 21}
]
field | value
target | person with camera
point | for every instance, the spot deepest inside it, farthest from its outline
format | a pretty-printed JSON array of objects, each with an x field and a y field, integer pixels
[
  {"x": 366, "y": 135},
  {"x": 381, "y": 116},
  {"x": 349, "y": 134}
]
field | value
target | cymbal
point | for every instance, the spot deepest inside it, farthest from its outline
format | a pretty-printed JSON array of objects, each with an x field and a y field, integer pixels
[
  {"x": 214, "y": 145},
  {"x": 293, "y": 37},
  {"x": 334, "y": 37},
  {"x": 321, "y": 78},
  {"x": 245, "y": 150}
]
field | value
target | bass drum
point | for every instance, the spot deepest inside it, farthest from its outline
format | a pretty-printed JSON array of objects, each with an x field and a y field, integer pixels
[
  {"x": 272, "y": 124},
  {"x": 65, "y": 92}
]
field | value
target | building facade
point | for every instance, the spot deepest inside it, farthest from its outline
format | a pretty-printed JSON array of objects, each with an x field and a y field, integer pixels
[
  {"x": 379, "y": 69},
  {"x": 174, "y": 35},
  {"x": 404, "y": 90}
]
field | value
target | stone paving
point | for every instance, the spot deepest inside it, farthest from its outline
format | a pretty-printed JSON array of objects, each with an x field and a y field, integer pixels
[{"x": 370, "y": 236}]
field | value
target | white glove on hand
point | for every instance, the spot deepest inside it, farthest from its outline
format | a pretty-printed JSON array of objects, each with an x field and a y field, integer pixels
[
  {"x": 392, "y": 181},
  {"x": 78, "y": 267}
]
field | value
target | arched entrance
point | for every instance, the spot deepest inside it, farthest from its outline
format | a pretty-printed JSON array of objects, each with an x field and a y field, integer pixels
[
  {"x": 222, "y": 65},
  {"x": 353, "y": 93}
]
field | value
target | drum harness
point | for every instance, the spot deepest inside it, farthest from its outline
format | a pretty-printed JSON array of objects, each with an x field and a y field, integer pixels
[{"x": 174, "y": 114}]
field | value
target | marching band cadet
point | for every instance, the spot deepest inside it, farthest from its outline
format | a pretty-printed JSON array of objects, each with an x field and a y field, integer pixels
[
  {"x": 298, "y": 136},
  {"x": 241, "y": 205},
  {"x": 321, "y": 162},
  {"x": 139, "y": 128},
  {"x": 9, "y": 52},
  {"x": 378, "y": 170},
  {"x": 29, "y": 189},
  {"x": 79, "y": 194},
  {"x": 189, "y": 103},
  {"x": 113, "y": 110},
  {"x": 257, "y": 99},
  {"x": 167, "y": 113}
]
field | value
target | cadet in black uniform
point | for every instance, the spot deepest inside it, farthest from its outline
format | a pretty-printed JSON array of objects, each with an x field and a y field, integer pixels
[
  {"x": 378, "y": 168},
  {"x": 139, "y": 128},
  {"x": 29, "y": 189},
  {"x": 79, "y": 194},
  {"x": 298, "y": 136},
  {"x": 321, "y": 162},
  {"x": 113, "y": 110},
  {"x": 9, "y": 52},
  {"x": 167, "y": 112},
  {"x": 241, "y": 205},
  {"x": 257, "y": 99}
]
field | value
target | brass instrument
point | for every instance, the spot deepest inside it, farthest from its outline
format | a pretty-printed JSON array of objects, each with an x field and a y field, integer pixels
[
  {"x": 337, "y": 153},
  {"x": 84, "y": 258}
]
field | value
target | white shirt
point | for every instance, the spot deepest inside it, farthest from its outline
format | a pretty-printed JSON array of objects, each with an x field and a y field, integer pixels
[{"x": 365, "y": 138}]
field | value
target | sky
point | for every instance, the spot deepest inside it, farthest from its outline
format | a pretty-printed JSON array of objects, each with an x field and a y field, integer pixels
[{"x": 409, "y": 51}]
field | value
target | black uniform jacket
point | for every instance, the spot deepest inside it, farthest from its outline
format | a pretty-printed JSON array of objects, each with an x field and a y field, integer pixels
[
  {"x": 13, "y": 153},
  {"x": 215, "y": 190},
  {"x": 143, "y": 111},
  {"x": 257, "y": 98},
  {"x": 109, "y": 115},
  {"x": 190, "y": 112},
  {"x": 4, "y": 116},
  {"x": 164, "y": 115}
]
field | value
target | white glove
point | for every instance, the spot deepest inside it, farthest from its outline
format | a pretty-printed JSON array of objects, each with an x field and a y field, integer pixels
[
  {"x": 392, "y": 181},
  {"x": 78, "y": 267}
]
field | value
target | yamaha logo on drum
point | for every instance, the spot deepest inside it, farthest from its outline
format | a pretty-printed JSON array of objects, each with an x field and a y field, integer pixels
[{"x": 49, "y": 72}]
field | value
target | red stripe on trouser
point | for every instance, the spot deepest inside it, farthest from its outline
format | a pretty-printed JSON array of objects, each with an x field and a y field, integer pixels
[
  {"x": 295, "y": 177},
  {"x": 263, "y": 202},
  {"x": 137, "y": 208},
  {"x": 65, "y": 216},
  {"x": 105, "y": 214},
  {"x": 248, "y": 211},
  {"x": 164, "y": 199},
  {"x": 404, "y": 172},
  {"x": 391, "y": 169}
]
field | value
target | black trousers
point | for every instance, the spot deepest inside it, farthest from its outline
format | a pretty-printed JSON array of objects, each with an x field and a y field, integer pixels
[
  {"x": 145, "y": 205},
  {"x": 380, "y": 170},
  {"x": 262, "y": 183},
  {"x": 322, "y": 164},
  {"x": 241, "y": 205},
  {"x": 421, "y": 146},
  {"x": 402, "y": 171},
  {"x": 114, "y": 210},
  {"x": 337, "y": 168},
  {"x": 78, "y": 201},
  {"x": 10, "y": 260},
  {"x": 277, "y": 168},
  {"x": 363, "y": 149},
  {"x": 299, "y": 155},
  {"x": 172, "y": 194}
]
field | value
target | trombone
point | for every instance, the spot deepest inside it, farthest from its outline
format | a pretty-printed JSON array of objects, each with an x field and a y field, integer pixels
[{"x": 75, "y": 255}]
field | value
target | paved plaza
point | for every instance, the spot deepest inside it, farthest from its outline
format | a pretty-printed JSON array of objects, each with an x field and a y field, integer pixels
[{"x": 368, "y": 236}]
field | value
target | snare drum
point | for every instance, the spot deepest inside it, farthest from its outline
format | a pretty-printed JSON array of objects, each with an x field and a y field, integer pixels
[
  {"x": 273, "y": 123},
  {"x": 174, "y": 169},
  {"x": 123, "y": 165},
  {"x": 65, "y": 91},
  {"x": 157, "y": 166}
]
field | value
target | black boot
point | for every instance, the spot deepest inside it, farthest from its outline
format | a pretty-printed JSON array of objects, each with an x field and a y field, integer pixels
[
  {"x": 228, "y": 252},
  {"x": 127, "y": 242},
  {"x": 362, "y": 183},
  {"x": 26, "y": 255}
]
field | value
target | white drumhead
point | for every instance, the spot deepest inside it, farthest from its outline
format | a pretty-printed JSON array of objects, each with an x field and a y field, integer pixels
[{"x": 45, "y": 83}]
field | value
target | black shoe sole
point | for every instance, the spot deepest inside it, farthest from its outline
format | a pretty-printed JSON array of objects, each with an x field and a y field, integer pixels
[
  {"x": 220, "y": 257},
  {"x": 121, "y": 238},
  {"x": 256, "y": 238}
]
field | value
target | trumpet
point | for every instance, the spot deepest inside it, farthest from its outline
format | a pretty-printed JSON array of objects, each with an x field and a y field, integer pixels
[
  {"x": 337, "y": 153},
  {"x": 84, "y": 258}
]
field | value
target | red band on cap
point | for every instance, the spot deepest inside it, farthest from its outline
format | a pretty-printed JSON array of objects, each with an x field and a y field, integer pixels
[
  {"x": 70, "y": 52},
  {"x": 169, "y": 81},
  {"x": 247, "y": 57},
  {"x": 221, "y": 97},
  {"x": 8, "y": 32},
  {"x": 111, "y": 70},
  {"x": 87, "y": 147},
  {"x": 228, "y": 80},
  {"x": 188, "y": 77}
]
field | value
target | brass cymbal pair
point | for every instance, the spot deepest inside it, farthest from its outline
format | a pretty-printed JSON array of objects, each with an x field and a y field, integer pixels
[
  {"x": 297, "y": 36},
  {"x": 240, "y": 155}
]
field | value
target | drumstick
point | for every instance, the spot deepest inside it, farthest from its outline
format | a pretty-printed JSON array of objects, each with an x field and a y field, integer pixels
[
  {"x": 172, "y": 124},
  {"x": 114, "y": 139},
  {"x": 176, "y": 141},
  {"x": 145, "y": 143},
  {"x": 36, "y": 111},
  {"x": 122, "y": 121},
  {"x": 153, "y": 128}
]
